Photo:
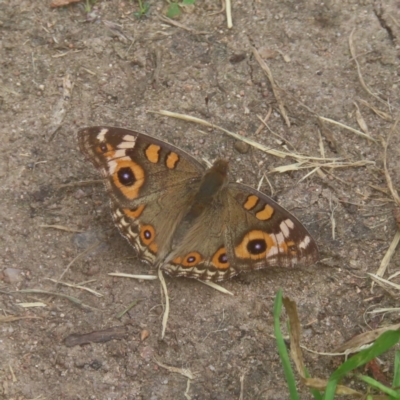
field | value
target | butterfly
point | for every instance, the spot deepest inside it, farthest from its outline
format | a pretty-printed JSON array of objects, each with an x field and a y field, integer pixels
[{"x": 187, "y": 219}]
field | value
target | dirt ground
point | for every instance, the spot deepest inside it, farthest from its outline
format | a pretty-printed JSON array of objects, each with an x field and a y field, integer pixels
[{"x": 119, "y": 68}]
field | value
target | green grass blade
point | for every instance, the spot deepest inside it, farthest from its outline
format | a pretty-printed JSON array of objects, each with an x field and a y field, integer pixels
[
  {"x": 380, "y": 386},
  {"x": 387, "y": 340},
  {"x": 396, "y": 374},
  {"x": 287, "y": 368},
  {"x": 330, "y": 390}
]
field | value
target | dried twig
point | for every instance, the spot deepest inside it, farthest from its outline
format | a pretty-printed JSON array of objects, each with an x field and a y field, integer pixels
[
  {"x": 61, "y": 228},
  {"x": 166, "y": 310},
  {"x": 97, "y": 294},
  {"x": 179, "y": 25},
  {"x": 363, "y": 84},
  {"x": 274, "y": 86},
  {"x": 229, "y": 14},
  {"x": 349, "y": 128},
  {"x": 182, "y": 371}
]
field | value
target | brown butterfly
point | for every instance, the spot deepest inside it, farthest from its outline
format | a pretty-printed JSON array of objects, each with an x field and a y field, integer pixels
[{"x": 189, "y": 220}]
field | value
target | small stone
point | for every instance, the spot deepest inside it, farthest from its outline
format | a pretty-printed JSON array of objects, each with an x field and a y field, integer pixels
[
  {"x": 241, "y": 147},
  {"x": 144, "y": 334},
  {"x": 12, "y": 275}
]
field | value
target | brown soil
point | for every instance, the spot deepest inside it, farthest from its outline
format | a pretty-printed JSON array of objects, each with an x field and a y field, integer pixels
[{"x": 121, "y": 68}]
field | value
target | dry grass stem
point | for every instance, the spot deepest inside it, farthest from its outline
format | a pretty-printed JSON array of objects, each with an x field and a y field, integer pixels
[
  {"x": 316, "y": 169},
  {"x": 274, "y": 133},
  {"x": 123, "y": 275},
  {"x": 264, "y": 121},
  {"x": 356, "y": 131},
  {"x": 384, "y": 310},
  {"x": 332, "y": 217},
  {"x": 220, "y": 11},
  {"x": 182, "y": 371},
  {"x": 12, "y": 318},
  {"x": 389, "y": 254},
  {"x": 272, "y": 191},
  {"x": 97, "y": 294},
  {"x": 253, "y": 143},
  {"x": 321, "y": 353},
  {"x": 320, "y": 384},
  {"x": 29, "y": 305},
  {"x": 363, "y": 84},
  {"x": 241, "y": 387},
  {"x": 166, "y": 309},
  {"x": 306, "y": 165},
  {"x": 274, "y": 86},
  {"x": 321, "y": 144},
  {"x": 260, "y": 182},
  {"x": 360, "y": 119},
  {"x": 387, "y": 175},
  {"x": 70, "y": 298},
  {"x": 357, "y": 342},
  {"x": 188, "y": 397},
  {"x": 385, "y": 116},
  {"x": 217, "y": 287},
  {"x": 385, "y": 283},
  {"x": 304, "y": 162},
  {"x": 89, "y": 249},
  {"x": 229, "y": 14},
  {"x": 62, "y": 228},
  {"x": 179, "y": 25}
]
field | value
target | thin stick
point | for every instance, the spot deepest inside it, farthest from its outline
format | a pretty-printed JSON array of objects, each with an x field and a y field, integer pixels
[
  {"x": 61, "y": 228},
  {"x": 388, "y": 256},
  {"x": 179, "y": 25},
  {"x": 253, "y": 143},
  {"x": 182, "y": 371},
  {"x": 274, "y": 86},
  {"x": 229, "y": 14},
  {"x": 123, "y": 275},
  {"x": 387, "y": 175},
  {"x": 166, "y": 311},
  {"x": 217, "y": 287},
  {"x": 264, "y": 121},
  {"x": 93, "y": 246},
  {"x": 97, "y": 294},
  {"x": 363, "y": 84},
  {"x": 349, "y": 128}
]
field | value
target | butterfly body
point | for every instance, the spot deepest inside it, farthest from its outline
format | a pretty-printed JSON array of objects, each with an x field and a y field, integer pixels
[{"x": 186, "y": 219}]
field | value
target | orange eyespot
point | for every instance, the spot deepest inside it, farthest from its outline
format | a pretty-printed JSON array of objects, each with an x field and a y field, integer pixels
[
  {"x": 147, "y": 236},
  {"x": 254, "y": 245},
  {"x": 128, "y": 177},
  {"x": 220, "y": 259},
  {"x": 192, "y": 259}
]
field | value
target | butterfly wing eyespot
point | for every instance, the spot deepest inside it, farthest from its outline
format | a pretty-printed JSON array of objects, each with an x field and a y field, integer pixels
[
  {"x": 220, "y": 259},
  {"x": 192, "y": 259},
  {"x": 128, "y": 177},
  {"x": 147, "y": 235}
]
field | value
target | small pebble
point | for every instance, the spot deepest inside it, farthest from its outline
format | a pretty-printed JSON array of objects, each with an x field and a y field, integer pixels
[{"x": 241, "y": 147}]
